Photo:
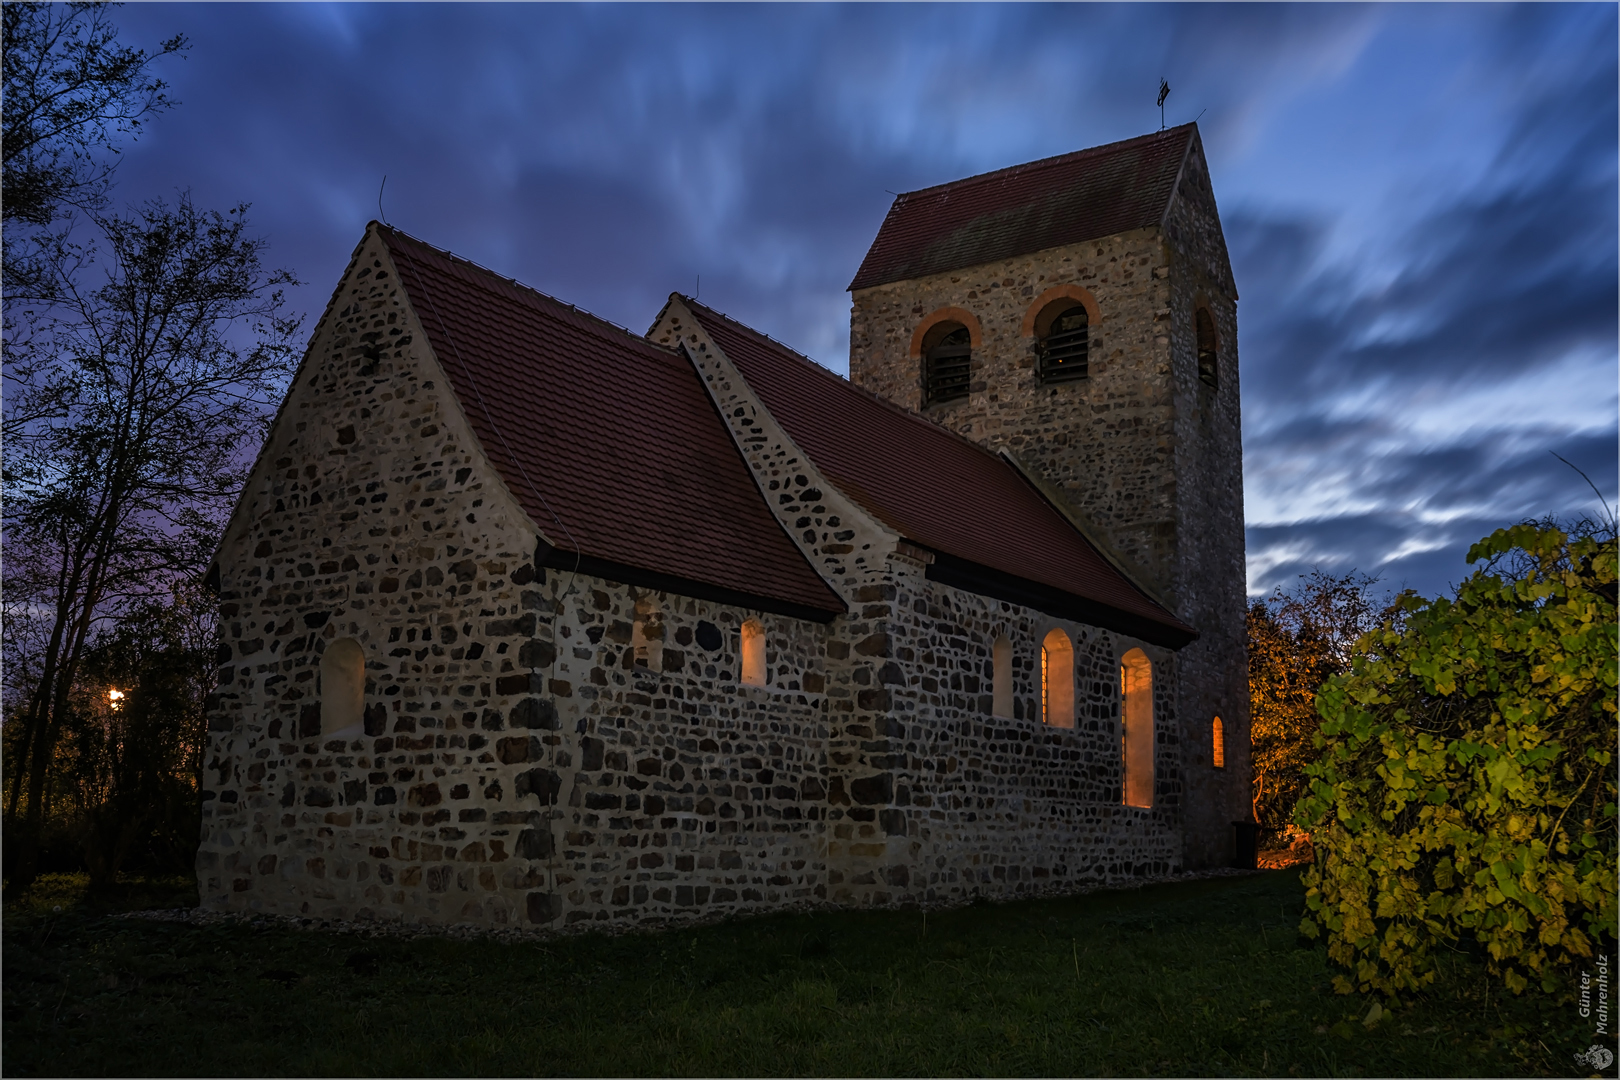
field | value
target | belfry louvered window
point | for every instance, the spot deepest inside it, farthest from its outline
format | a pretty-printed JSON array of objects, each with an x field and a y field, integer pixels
[
  {"x": 1064, "y": 352},
  {"x": 947, "y": 367}
]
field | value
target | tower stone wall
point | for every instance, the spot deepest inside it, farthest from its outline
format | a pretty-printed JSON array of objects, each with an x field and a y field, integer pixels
[
  {"x": 1147, "y": 453},
  {"x": 1210, "y": 591},
  {"x": 1106, "y": 440}
]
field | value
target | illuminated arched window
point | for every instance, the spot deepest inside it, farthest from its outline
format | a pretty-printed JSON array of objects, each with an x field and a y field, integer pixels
[
  {"x": 753, "y": 653},
  {"x": 1001, "y": 679},
  {"x": 1136, "y": 741},
  {"x": 343, "y": 687},
  {"x": 1057, "y": 680},
  {"x": 1208, "y": 347},
  {"x": 1217, "y": 735}
]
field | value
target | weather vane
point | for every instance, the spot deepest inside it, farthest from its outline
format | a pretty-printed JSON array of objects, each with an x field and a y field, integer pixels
[{"x": 1164, "y": 92}]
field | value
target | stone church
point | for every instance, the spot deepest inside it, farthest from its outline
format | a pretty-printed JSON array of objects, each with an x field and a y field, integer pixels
[{"x": 532, "y": 621}]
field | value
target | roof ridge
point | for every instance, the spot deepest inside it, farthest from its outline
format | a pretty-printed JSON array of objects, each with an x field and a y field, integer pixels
[
  {"x": 1041, "y": 163},
  {"x": 907, "y": 414},
  {"x": 1092, "y": 579},
  {"x": 573, "y": 309}
]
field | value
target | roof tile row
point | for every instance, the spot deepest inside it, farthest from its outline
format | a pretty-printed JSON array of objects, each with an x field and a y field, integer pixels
[
  {"x": 609, "y": 442},
  {"x": 614, "y": 449},
  {"x": 1045, "y": 204},
  {"x": 932, "y": 486}
]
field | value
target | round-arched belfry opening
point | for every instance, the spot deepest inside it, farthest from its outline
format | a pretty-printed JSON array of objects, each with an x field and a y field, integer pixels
[
  {"x": 1063, "y": 341},
  {"x": 947, "y": 370}
]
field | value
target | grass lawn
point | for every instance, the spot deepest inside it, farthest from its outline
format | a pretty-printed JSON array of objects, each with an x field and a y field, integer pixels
[{"x": 1205, "y": 977}]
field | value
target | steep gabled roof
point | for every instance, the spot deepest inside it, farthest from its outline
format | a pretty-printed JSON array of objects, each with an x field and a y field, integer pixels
[
  {"x": 608, "y": 441},
  {"x": 1045, "y": 204},
  {"x": 989, "y": 530}
]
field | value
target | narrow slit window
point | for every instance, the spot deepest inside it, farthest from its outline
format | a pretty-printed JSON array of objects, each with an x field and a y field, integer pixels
[
  {"x": 343, "y": 687},
  {"x": 1208, "y": 349},
  {"x": 1217, "y": 734},
  {"x": 1057, "y": 680},
  {"x": 1064, "y": 351},
  {"x": 947, "y": 364},
  {"x": 647, "y": 634},
  {"x": 753, "y": 653},
  {"x": 1137, "y": 738},
  {"x": 1001, "y": 678}
]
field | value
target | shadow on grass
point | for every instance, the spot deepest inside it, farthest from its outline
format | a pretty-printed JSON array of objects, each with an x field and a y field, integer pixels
[{"x": 1197, "y": 978}]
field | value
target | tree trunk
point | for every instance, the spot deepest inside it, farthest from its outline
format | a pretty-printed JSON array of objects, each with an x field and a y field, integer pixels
[{"x": 51, "y": 702}]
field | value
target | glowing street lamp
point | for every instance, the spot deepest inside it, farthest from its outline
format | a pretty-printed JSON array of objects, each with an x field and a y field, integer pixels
[{"x": 115, "y": 698}]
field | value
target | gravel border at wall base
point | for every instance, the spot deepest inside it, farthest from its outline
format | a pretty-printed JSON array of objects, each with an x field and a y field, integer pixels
[{"x": 465, "y": 932}]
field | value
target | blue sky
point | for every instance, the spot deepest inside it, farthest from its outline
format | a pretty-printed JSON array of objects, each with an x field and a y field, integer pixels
[{"x": 1420, "y": 201}]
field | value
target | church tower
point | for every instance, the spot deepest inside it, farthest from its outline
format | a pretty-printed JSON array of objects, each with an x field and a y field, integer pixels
[{"x": 1079, "y": 314}]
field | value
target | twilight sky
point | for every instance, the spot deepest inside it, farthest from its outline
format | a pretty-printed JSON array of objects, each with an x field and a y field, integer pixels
[{"x": 1420, "y": 201}]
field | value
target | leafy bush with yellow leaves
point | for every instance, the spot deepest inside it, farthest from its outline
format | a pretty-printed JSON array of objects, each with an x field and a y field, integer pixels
[{"x": 1465, "y": 793}]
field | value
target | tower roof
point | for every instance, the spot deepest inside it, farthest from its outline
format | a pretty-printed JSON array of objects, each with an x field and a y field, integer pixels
[
  {"x": 609, "y": 442},
  {"x": 1061, "y": 200}
]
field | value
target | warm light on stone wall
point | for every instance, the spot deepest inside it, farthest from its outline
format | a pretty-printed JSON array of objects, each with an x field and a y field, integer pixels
[
  {"x": 753, "y": 653},
  {"x": 1057, "y": 680},
  {"x": 1136, "y": 685}
]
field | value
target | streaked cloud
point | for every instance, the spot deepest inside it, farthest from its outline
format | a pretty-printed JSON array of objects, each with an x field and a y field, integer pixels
[{"x": 1420, "y": 200}]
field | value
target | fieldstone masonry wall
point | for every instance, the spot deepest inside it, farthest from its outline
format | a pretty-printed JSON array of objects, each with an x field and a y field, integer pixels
[
  {"x": 549, "y": 749},
  {"x": 538, "y": 748},
  {"x": 1208, "y": 458},
  {"x": 1143, "y": 450},
  {"x": 930, "y": 797},
  {"x": 986, "y": 804}
]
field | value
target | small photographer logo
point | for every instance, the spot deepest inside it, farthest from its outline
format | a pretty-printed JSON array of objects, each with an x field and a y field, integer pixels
[{"x": 1599, "y": 1057}]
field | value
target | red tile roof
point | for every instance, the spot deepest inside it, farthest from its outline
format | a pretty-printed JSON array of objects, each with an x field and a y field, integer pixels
[
  {"x": 940, "y": 491},
  {"x": 1045, "y": 204},
  {"x": 608, "y": 441}
]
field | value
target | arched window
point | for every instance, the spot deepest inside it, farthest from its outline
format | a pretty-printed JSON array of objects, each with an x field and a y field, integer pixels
[
  {"x": 1136, "y": 741},
  {"x": 753, "y": 653},
  {"x": 1217, "y": 735},
  {"x": 1208, "y": 349},
  {"x": 947, "y": 362},
  {"x": 343, "y": 687},
  {"x": 1064, "y": 342},
  {"x": 1001, "y": 679},
  {"x": 1057, "y": 680}
]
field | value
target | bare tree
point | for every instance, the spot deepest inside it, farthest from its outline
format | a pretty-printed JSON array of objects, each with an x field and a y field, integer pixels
[
  {"x": 156, "y": 380},
  {"x": 70, "y": 91}
]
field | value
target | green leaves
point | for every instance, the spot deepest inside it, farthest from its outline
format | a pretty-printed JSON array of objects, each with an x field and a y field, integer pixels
[{"x": 1463, "y": 789}]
